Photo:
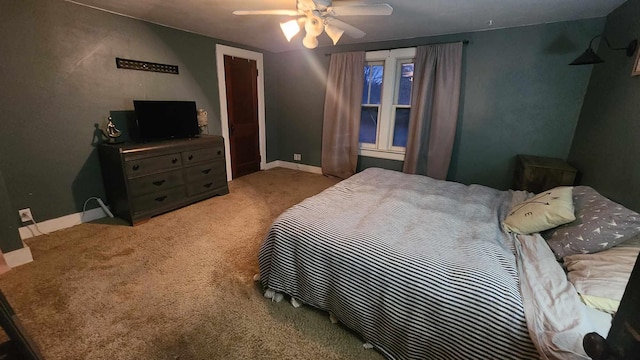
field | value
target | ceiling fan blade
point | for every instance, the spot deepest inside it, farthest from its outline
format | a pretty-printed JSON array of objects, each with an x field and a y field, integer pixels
[
  {"x": 266, "y": 12},
  {"x": 363, "y": 9},
  {"x": 350, "y": 30}
]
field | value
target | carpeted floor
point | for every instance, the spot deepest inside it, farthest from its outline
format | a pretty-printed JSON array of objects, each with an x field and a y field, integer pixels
[{"x": 177, "y": 287}]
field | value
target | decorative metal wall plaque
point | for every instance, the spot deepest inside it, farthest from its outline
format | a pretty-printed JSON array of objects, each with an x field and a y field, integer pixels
[{"x": 146, "y": 66}]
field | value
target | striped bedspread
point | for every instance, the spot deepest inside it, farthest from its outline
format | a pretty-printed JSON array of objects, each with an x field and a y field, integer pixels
[{"x": 420, "y": 268}]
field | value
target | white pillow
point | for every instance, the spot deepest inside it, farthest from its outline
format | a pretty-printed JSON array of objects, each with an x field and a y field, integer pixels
[{"x": 544, "y": 211}]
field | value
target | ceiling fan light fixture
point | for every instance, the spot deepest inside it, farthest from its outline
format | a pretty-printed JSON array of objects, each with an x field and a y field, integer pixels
[
  {"x": 290, "y": 29},
  {"x": 313, "y": 26},
  {"x": 318, "y": 16},
  {"x": 310, "y": 42},
  {"x": 334, "y": 33}
]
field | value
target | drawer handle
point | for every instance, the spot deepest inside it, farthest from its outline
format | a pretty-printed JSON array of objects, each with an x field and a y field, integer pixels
[
  {"x": 208, "y": 185},
  {"x": 190, "y": 157},
  {"x": 219, "y": 152},
  {"x": 161, "y": 198},
  {"x": 158, "y": 183},
  {"x": 136, "y": 167},
  {"x": 206, "y": 171},
  {"x": 174, "y": 160}
]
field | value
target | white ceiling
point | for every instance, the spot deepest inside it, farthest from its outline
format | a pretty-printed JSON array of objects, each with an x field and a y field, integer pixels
[{"x": 410, "y": 18}]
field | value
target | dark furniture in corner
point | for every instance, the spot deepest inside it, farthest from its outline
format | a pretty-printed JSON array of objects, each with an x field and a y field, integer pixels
[
  {"x": 20, "y": 345},
  {"x": 146, "y": 179},
  {"x": 536, "y": 173}
]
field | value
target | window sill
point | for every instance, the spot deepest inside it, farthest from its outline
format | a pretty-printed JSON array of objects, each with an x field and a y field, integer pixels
[{"x": 381, "y": 154}]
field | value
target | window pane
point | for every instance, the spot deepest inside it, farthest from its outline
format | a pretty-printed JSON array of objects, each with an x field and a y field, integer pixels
[
  {"x": 368, "y": 124},
  {"x": 372, "y": 89},
  {"x": 401, "y": 127},
  {"x": 376, "y": 84},
  {"x": 367, "y": 81},
  {"x": 406, "y": 80}
]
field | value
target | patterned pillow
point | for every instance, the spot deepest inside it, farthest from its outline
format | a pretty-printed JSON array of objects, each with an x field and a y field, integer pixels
[
  {"x": 600, "y": 224},
  {"x": 544, "y": 211}
]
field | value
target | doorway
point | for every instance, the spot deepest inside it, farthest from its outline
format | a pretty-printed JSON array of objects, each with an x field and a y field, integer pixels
[
  {"x": 242, "y": 113},
  {"x": 241, "y": 87}
]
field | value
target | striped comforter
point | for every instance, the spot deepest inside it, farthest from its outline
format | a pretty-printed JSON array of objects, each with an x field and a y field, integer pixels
[{"x": 421, "y": 268}]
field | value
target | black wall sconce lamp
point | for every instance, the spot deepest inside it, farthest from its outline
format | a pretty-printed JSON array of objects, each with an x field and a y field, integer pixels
[{"x": 590, "y": 57}]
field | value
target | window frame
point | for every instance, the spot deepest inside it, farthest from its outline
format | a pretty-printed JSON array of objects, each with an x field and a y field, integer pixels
[
  {"x": 371, "y": 146},
  {"x": 392, "y": 60}
]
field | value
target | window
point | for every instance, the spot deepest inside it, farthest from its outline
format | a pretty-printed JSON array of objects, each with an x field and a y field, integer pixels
[
  {"x": 371, "y": 95},
  {"x": 386, "y": 103}
]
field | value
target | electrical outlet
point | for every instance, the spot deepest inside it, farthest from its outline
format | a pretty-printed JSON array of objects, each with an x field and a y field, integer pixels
[
  {"x": 297, "y": 157},
  {"x": 25, "y": 215}
]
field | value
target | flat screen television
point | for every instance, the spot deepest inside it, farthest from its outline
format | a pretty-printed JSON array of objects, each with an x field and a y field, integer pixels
[{"x": 160, "y": 120}]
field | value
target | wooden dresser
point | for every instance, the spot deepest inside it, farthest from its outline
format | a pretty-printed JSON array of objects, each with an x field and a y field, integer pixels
[
  {"x": 146, "y": 179},
  {"x": 536, "y": 173}
]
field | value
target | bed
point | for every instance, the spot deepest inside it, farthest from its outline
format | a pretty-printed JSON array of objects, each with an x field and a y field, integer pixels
[{"x": 424, "y": 269}]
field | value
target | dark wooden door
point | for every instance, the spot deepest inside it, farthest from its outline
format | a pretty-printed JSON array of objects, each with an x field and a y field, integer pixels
[{"x": 241, "y": 77}]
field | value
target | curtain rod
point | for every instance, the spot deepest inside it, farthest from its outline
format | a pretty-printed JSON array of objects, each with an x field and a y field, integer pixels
[{"x": 464, "y": 42}]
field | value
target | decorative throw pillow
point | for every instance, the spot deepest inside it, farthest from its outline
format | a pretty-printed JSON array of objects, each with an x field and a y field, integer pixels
[
  {"x": 600, "y": 225},
  {"x": 542, "y": 212}
]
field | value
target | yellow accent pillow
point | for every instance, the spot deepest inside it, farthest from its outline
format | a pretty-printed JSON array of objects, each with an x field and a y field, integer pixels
[
  {"x": 544, "y": 211},
  {"x": 599, "y": 303}
]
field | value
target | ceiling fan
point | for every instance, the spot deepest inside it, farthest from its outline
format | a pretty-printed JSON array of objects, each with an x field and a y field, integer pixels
[{"x": 320, "y": 15}]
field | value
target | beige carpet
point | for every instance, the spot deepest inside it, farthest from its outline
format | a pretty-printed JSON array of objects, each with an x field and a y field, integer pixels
[{"x": 177, "y": 287}]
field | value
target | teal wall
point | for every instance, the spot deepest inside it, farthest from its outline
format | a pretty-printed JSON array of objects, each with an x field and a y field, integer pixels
[
  {"x": 297, "y": 81},
  {"x": 518, "y": 96},
  {"x": 606, "y": 145},
  {"x": 57, "y": 65},
  {"x": 59, "y": 79}
]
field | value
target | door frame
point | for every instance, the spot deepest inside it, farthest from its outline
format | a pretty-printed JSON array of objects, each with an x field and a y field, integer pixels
[{"x": 221, "y": 51}]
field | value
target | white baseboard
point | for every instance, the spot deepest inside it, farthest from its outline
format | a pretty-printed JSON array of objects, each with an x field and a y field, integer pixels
[
  {"x": 293, "y": 166},
  {"x": 23, "y": 256},
  {"x": 60, "y": 223},
  {"x": 18, "y": 257},
  {"x": 68, "y": 221}
]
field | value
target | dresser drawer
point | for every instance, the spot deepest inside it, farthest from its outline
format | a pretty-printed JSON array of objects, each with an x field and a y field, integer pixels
[
  {"x": 153, "y": 164},
  {"x": 204, "y": 171},
  {"x": 197, "y": 156},
  {"x": 155, "y": 182},
  {"x": 213, "y": 182},
  {"x": 158, "y": 199}
]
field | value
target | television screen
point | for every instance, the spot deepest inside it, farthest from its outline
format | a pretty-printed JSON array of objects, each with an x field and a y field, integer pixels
[{"x": 157, "y": 120}]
